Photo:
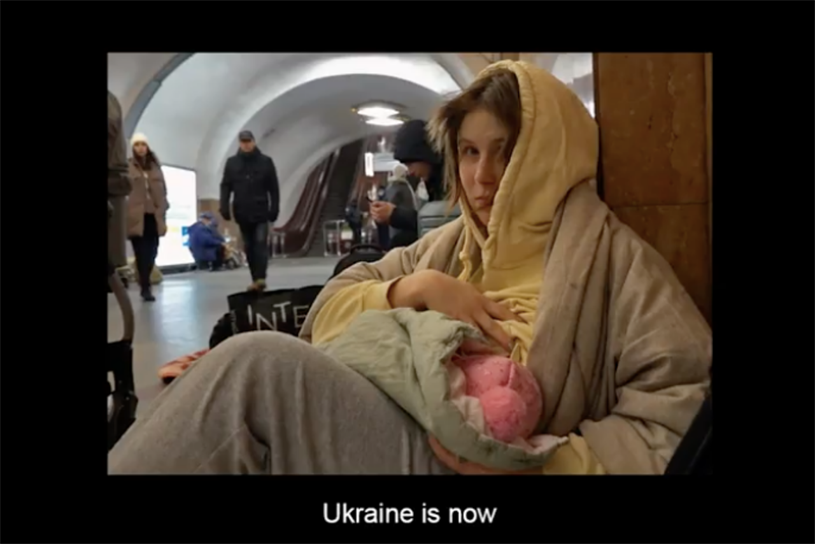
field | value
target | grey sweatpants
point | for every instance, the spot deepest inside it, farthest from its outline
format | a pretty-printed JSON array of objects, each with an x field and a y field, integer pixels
[{"x": 268, "y": 403}]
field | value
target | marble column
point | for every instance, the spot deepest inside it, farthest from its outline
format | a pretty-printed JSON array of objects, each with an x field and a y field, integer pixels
[{"x": 653, "y": 112}]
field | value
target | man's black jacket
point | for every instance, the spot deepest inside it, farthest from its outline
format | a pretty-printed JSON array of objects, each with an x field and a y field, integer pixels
[{"x": 252, "y": 178}]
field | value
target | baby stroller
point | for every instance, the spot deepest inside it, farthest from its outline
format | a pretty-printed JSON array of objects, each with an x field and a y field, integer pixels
[
  {"x": 233, "y": 256},
  {"x": 122, "y": 400}
]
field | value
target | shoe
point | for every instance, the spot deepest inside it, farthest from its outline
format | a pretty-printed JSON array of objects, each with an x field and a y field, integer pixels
[
  {"x": 147, "y": 295},
  {"x": 257, "y": 285}
]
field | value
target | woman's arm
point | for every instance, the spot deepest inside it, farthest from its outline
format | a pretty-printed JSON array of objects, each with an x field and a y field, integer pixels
[
  {"x": 365, "y": 286},
  {"x": 662, "y": 348},
  {"x": 362, "y": 287},
  {"x": 659, "y": 352},
  {"x": 161, "y": 203}
]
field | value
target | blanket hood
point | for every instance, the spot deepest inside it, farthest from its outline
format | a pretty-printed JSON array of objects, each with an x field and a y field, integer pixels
[{"x": 557, "y": 148}]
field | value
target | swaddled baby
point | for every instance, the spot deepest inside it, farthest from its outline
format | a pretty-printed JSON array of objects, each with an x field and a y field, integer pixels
[{"x": 510, "y": 397}]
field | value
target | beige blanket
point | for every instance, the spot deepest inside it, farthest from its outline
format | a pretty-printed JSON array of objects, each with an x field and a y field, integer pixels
[
  {"x": 408, "y": 355},
  {"x": 620, "y": 350}
]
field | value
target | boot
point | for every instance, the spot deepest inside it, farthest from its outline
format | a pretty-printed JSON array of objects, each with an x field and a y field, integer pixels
[
  {"x": 147, "y": 294},
  {"x": 257, "y": 285}
]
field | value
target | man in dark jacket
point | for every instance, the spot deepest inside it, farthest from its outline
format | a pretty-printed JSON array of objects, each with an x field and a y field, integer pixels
[
  {"x": 251, "y": 176},
  {"x": 412, "y": 148}
]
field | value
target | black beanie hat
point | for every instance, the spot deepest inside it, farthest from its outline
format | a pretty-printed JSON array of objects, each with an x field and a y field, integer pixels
[{"x": 411, "y": 144}]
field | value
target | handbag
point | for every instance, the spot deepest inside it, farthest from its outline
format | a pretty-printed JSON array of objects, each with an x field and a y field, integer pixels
[{"x": 282, "y": 310}]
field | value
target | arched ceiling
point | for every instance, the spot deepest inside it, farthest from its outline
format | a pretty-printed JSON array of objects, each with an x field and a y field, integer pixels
[
  {"x": 294, "y": 103},
  {"x": 192, "y": 106},
  {"x": 319, "y": 113},
  {"x": 574, "y": 69},
  {"x": 130, "y": 73}
]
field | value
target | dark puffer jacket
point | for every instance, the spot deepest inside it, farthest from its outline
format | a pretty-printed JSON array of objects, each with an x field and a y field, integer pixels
[
  {"x": 252, "y": 177},
  {"x": 412, "y": 145}
]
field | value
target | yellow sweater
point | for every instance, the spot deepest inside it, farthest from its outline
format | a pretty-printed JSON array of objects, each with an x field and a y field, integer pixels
[
  {"x": 572, "y": 458},
  {"x": 556, "y": 149}
]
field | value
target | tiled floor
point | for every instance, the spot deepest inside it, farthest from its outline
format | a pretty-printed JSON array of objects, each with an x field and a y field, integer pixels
[{"x": 188, "y": 306}]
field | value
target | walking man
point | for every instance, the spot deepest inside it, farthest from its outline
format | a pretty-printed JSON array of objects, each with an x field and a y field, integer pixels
[{"x": 252, "y": 178}]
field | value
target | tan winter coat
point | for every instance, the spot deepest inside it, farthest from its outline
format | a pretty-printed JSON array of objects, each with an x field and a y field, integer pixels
[{"x": 149, "y": 195}]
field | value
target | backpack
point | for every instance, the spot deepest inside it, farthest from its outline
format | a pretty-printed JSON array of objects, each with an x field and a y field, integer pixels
[{"x": 362, "y": 253}]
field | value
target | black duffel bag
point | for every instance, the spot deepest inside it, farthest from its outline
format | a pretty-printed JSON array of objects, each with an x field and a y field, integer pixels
[
  {"x": 362, "y": 253},
  {"x": 283, "y": 310}
]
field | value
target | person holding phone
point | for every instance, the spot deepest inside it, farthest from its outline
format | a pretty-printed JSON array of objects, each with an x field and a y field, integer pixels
[
  {"x": 401, "y": 195},
  {"x": 412, "y": 148},
  {"x": 377, "y": 204}
]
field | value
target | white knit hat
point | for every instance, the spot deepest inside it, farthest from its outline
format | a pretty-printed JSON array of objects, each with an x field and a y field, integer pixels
[
  {"x": 139, "y": 137},
  {"x": 399, "y": 172}
]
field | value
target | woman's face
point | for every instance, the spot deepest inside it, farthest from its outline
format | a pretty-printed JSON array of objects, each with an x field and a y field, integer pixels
[
  {"x": 481, "y": 142},
  {"x": 140, "y": 149}
]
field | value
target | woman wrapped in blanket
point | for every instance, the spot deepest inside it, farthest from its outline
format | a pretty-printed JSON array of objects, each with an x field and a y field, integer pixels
[{"x": 537, "y": 262}]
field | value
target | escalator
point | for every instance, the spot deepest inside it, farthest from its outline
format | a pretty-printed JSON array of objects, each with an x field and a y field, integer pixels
[
  {"x": 323, "y": 198},
  {"x": 340, "y": 182},
  {"x": 297, "y": 232}
]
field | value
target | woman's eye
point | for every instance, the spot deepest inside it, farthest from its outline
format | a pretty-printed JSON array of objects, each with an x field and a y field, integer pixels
[{"x": 469, "y": 151}]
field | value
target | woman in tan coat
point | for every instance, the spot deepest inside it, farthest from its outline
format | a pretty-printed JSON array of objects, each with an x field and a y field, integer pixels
[{"x": 146, "y": 210}]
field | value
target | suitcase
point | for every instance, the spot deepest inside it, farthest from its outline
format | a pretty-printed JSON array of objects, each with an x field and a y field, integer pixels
[{"x": 435, "y": 214}]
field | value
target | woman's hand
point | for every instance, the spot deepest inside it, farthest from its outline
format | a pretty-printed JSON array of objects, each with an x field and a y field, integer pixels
[
  {"x": 433, "y": 290},
  {"x": 460, "y": 466}
]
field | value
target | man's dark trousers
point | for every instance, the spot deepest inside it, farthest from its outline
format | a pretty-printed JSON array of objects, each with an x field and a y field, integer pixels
[{"x": 255, "y": 237}]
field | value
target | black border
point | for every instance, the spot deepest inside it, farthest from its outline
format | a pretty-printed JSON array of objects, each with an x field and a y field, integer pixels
[{"x": 73, "y": 372}]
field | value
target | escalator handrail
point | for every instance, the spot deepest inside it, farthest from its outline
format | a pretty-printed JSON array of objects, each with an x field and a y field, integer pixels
[
  {"x": 318, "y": 208},
  {"x": 304, "y": 201},
  {"x": 300, "y": 226}
]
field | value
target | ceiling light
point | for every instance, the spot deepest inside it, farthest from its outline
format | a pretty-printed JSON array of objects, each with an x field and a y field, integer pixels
[
  {"x": 377, "y": 112},
  {"x": 384, "y": 121}
]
